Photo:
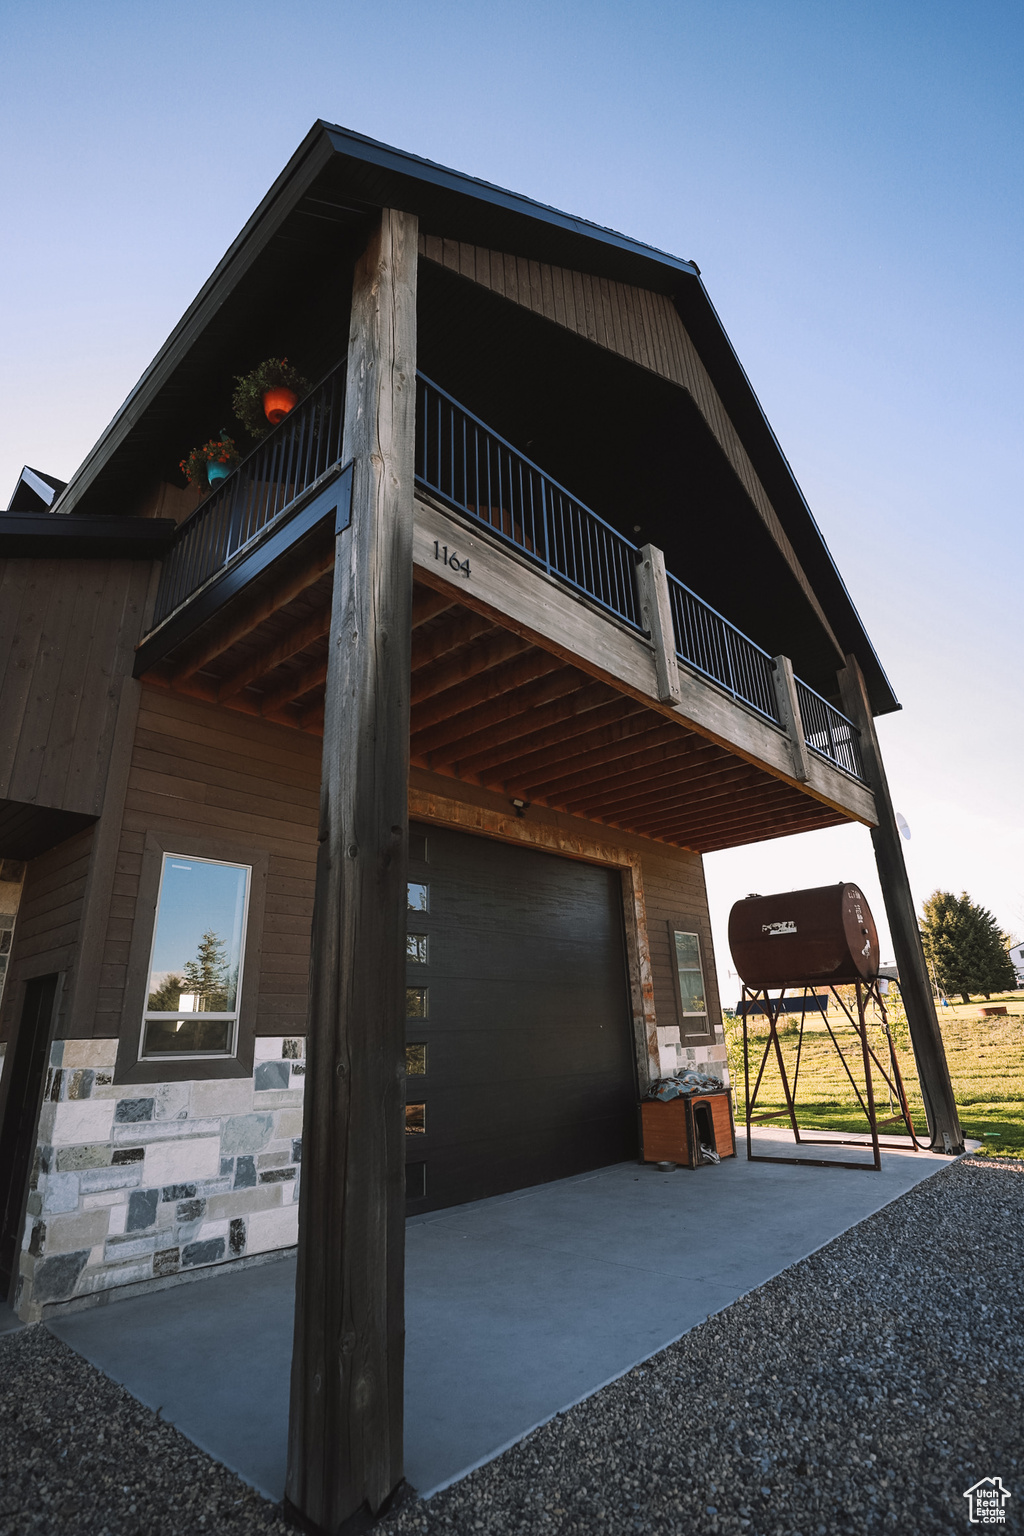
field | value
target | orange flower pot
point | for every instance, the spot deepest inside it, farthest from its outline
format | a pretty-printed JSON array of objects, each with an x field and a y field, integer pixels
[{"x": 277, "y": 403}]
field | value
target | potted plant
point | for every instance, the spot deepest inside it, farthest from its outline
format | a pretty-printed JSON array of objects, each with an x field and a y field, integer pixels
[
  {"x": 213, "y": 462},
  {"x": 264, "y": 397}
]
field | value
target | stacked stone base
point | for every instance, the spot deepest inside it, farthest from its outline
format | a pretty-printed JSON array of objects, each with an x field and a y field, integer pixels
[
  {"x": 674, "y": 1056},
  {"x": 136, "y": 1183}
]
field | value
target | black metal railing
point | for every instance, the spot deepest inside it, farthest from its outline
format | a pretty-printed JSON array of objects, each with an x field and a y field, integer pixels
[
  {"x": 470, "y": 467},
  {"x": 828, "y": 732},
  {"x": 266, "y": 484},
  {"x": 709, "y": 643}
]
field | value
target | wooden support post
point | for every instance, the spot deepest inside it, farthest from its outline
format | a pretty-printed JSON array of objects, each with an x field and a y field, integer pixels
[
  {"x": 789, "y": 709},
  {"x": 915, "y": 987},
  {"x": 656, "y": 617},
  {"x": 345, "y": 1429}
]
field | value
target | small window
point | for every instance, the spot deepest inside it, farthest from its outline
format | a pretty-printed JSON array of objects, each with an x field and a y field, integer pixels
[
  {"x": 416, "y": 1060},
  {"x": 416, "y": 948},
  {"x": 418, "y": 896},
  {"x": 195, "y": 969},
  {"x": 416, "y": 1002},
  {"x": 415, "y": 1119},
  {"x": 689, "y": 980}
]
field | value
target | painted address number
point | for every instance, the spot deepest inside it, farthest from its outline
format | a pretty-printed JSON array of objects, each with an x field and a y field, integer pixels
[{"x": 451, "y": 560}]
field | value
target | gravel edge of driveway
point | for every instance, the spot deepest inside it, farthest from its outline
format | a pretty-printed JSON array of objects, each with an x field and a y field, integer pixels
[{"x": 861, "y": 1391}]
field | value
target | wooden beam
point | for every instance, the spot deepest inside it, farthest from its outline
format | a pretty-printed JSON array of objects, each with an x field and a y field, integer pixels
[
  {"x": 678, "y": 795},
  {"x": 427, "y": 604},
  {"x": 470, "y": 662},
  {"x": 451, "y": 707},
  {"x": 675, "y": 772},
  {"x": 754, "y": 825},
  {"x": 296, "y": 640},
  {"x": 915, "y": 985},
  {"x": 293, "y": 687},
  {"x": 531, "y": 729},
  {"x": 230, "y": 633},
  {"x": 345, "y": 1431},
  {"x": 460, "y": 629},
  {"x": 590, "y": 742},
  {"x": 665, "y": 746},
  {"x": 500, "y": 718}
]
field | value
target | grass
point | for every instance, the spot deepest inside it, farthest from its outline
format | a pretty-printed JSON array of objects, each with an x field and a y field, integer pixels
[{"x": 986, "y": 1065}]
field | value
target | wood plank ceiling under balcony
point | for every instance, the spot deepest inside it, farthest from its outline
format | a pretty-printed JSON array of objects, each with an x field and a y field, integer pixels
[{"x": 492, "y": 708}]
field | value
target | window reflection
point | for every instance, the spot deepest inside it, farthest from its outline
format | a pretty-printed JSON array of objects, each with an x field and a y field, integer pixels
[
  {"x": 417, "y": 896},
  {"x": 416, "y": 948},
  {"x": 415, "y": 1119},
  {"x": 415, "y": 1060},
  {"x": 416, "y": 1002},
  {"x": 689, "y": 974},
  {"x": 195, "y": 965}
]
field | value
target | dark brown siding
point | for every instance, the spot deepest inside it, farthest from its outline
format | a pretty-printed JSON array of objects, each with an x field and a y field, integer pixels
[
  {"x": 49, "y": 917},
  {"x": 199, "y": 770},
  {"x": 68, "y": 629},
  {"x": 674, "y": 889},
  {"x": 642, "y": 326}
]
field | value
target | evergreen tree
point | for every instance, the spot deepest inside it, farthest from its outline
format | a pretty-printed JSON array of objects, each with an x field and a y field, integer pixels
[
  {"x": 964, "y": 945},
  {"x": 207, "y": 975},
  {"x": 165, "y": 998}
]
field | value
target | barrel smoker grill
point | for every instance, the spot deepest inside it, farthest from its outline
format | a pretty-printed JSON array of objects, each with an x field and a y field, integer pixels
[{"x": 802, "y": 940}]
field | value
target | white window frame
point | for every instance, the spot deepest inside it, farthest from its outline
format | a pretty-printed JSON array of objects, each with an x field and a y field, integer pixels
[{"x": 232, "y": 1015}]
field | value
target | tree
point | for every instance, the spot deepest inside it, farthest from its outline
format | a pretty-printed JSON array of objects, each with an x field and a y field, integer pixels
[
  {"x": 207, "y": 974},
  {"x": 165, "y": 998},
  {"x": 964, "y": 946}
]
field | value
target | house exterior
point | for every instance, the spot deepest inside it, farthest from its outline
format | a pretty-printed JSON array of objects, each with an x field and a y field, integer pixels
[
  {"x": 396, "y": 757},
  {"x": 1016, "y": 953}
]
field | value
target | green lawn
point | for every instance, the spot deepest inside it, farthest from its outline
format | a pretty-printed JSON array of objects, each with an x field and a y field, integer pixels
[{"x": 986, "y": 1064}]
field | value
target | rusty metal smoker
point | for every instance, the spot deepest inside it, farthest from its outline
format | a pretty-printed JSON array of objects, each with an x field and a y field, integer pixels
[{"x": 825, "y": 936}]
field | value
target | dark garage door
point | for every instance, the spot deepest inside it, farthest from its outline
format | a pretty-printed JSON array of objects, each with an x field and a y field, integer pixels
[{"x": 520, "y": 1053}]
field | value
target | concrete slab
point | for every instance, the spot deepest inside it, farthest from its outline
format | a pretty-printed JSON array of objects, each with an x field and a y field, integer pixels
[{"x": 516, "y": 1307}]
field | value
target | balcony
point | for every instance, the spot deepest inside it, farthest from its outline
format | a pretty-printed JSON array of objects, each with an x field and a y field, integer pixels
[
  {"x": 470, "y": 479},
  {"x": 469, "y": 468}
]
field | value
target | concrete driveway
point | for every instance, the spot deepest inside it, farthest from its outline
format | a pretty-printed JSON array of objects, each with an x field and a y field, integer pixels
[{"x": 516, "y": 1307}]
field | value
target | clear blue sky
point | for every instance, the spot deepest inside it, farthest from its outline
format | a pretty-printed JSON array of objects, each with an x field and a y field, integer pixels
[{"x": 847, "y": 176}]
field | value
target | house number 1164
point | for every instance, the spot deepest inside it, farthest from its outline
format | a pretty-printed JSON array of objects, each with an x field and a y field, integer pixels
[{"x": 452, "y": 560}]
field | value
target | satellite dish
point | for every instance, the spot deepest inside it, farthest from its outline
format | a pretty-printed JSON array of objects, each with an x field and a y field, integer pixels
[{"x": 901, "y": 822}]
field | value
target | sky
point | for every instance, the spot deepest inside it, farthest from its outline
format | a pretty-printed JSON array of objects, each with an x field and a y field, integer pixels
[{"x": 847, "y": 176}]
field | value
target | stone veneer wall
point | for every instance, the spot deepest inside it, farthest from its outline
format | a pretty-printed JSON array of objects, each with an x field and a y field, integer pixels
[
  {"x": 137, "y": 1182},
  {"x": 676, "y": 1057}
]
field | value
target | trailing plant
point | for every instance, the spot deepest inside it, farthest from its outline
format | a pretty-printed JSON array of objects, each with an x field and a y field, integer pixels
[
  {"x": 247, "y": 400},
  {"x": 219, "y": 450}
]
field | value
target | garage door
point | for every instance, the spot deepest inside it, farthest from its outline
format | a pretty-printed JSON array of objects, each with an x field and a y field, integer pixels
[{"x": 519, "y": 1040}]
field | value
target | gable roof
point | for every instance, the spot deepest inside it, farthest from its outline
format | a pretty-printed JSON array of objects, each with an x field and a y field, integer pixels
[{"x": 338, "y": 178}]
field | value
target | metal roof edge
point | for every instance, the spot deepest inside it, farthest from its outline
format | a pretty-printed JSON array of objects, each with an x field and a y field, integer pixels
[{"x": 390, "y": 158}]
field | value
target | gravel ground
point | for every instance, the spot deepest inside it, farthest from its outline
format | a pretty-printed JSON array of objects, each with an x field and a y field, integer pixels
[{"x": 862, "y": 1391}]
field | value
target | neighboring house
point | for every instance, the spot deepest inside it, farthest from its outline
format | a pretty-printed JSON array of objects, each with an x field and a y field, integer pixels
[
  {"x": 585, "y": 630},
  {"x": 1016, "y": 953}
]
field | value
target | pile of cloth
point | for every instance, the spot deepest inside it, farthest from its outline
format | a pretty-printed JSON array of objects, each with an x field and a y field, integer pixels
[{"x": 679, "y": 1084}]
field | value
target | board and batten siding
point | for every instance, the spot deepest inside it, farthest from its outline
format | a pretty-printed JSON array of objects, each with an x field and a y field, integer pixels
[
  {"x": 199, "y": 770},
  {"x": 636, "y": 323},
  {"x": 68, "y": 630},
  {"x": 49, "y": 921}
]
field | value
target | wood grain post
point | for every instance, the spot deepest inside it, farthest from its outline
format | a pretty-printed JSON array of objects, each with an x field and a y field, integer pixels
[
  {"x": 789, "y": 709},
  {"x": 345, "y": 1428},
  {"x": 656, "y": 617},
  {"x": 915, "y": 987}
]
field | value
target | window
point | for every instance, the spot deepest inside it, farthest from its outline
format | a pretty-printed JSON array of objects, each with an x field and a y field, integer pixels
[
  {"x": 417, "y": 898},
  {"x": 417, "y": 948},
  {"x": 689, "y": 976},
  {"x": 194, "y": 982}
]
